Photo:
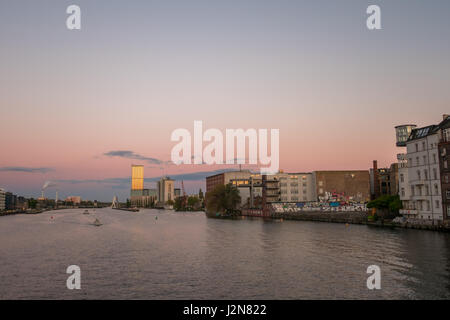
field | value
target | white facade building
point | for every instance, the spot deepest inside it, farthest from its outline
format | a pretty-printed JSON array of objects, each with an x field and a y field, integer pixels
[{"x": 419, "y": 176}]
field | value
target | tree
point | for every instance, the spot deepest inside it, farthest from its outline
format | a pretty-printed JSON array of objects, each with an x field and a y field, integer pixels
[
  {"x": 386, "y": 204},
  {"x": 223, "y": 199},
  {"x": 32, "y": 203},
  {"x": 178, "y": 205}
]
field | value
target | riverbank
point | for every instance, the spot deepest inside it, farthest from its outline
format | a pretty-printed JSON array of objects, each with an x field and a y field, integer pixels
[{"x": 347, "y": 217}]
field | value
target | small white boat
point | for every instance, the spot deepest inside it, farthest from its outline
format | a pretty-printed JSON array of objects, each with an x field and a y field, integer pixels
[
  {"x": 86, "y": 212},
  {"x": 97, "y": 223}
]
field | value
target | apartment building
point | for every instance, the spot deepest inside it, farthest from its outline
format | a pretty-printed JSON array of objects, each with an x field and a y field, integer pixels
[
  {"x": 420, "y": 184},
  {"x": 2, "y": 199}
]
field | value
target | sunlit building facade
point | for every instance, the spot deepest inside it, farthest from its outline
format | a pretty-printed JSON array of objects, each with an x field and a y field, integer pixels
[{"x": 137, "y": 177}]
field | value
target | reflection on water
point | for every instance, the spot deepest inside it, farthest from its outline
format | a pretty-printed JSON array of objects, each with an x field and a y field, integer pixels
[{"x": 187, "y": 256}]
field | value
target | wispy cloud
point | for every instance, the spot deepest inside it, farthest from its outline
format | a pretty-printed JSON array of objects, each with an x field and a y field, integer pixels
[
  {"x": 132, "y": 155},
  {"x": 26, "y": 169},
  {"x": 126, "y": 182}
]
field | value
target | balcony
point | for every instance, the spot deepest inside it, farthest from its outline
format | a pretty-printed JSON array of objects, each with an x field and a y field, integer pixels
[
  {"x": 406, "y": 212},
  {"x": 419, "y": 182},
  {"x": 420, "y": 197}
]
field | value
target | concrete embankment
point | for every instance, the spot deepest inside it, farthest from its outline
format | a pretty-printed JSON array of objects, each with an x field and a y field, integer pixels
[
  {"x": 355, "y": 217},
  {"x": 350, "y": 217}
]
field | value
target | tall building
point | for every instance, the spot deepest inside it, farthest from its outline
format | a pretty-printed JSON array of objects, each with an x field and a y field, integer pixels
[
  {"x": 140, "y": 197},
  {"x": 137, "y": 177},
  {"x": 166, "y": 190},
  {"x": 444, "y": 165},
  {"x": 10, "y": 201},
  {"x": 420, "y": 187},
  {"x": 2, "y": 199}
]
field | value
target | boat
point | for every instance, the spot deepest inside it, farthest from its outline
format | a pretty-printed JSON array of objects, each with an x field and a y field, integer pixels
[
  {"x": 97, "y": 223},
  {"x": 86, "y": 212}
]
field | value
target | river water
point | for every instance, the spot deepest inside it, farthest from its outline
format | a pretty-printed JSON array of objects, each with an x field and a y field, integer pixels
[{"x": 156, "y": 254}]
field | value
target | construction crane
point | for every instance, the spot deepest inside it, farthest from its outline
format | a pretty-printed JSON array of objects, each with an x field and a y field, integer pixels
[{"x": 184, "y": 196}]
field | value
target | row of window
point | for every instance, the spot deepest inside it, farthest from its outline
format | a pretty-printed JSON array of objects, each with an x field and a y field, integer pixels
[
  {"x": 423, "y": 205},
  {"x": 424, "y": 160}
]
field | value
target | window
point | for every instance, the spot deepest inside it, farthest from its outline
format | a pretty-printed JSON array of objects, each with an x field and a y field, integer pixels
[
  {"x": 418, "y": 175},
  {"x": 437, "y": 204},
  {"x": 417, "y": 147},
  {"x": 447, "y": 194},
  {"x": 436, "y": 189},
  {"x": 424, "y": 159},
  {"x": 403, "y": 192},
  {"x": 445, "y": 164},
  {"x": 446, "y": 178},
  {"x": 426, "y": 190},
  {"x": 434, "y": 173},
  {"x": 418, "y": 161},
  {"x": 402, "y": 178},
  {"x": 434, "y": 157},
  {"x": 425, "y": 173},
  {"x": 423, "y": 145}
]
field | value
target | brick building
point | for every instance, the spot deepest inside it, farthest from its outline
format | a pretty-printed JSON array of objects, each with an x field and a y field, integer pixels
[{"x": 349, "y": 185}]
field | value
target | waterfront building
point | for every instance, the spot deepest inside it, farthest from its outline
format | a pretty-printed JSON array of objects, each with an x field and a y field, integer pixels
[
  {"x": 2, "y": 199},
  {"x": 297, "y": 187},
  {"x": 348, "y": 185},
  {"x": 137, "y": 177},
  {"x": 225, "y": 178},
  {"x": 402, "y": 134},
  {"x": 444, "y": 165},
  {"x": 74, "y": 199},
  {"x": 424, "y": 199},
  {"x": 384, "y": 181},
  {"x": 140, "y": 197},
  {"x": 166, "y": 190},
  {"x": 10, "y": 201}
]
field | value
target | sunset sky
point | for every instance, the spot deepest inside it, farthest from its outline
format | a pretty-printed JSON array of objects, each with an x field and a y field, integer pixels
[{"x": 79, "y": 107}]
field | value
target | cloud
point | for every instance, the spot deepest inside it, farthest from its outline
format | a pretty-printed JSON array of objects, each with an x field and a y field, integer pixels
[
  {"x": 126, "y": 182},
  {"x": 132, "y": 155},
  {"x": 26, "y": 169}
]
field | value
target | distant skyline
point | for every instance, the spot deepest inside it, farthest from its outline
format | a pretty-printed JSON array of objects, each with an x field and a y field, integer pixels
[{"x": 79, "y": 107}]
